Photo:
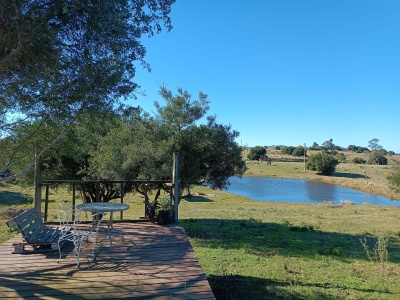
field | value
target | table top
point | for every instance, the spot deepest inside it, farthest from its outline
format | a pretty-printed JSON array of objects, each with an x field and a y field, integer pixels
[{"x": 102, "y": 206}]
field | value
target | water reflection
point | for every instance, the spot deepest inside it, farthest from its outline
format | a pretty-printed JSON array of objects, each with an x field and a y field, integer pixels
[
  {"x": 317, "y": 192},
  {"x": 298, "y": 190}
]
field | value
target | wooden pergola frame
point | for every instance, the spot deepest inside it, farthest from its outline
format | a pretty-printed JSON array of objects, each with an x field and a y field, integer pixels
[{"x": 39, "y": 183}]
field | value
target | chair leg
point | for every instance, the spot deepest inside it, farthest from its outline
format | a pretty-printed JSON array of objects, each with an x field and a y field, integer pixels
[
  {"x": 78, "y": 243},
  {"x": 94, "y": 245},
  {"x": 59, "y": 250}
]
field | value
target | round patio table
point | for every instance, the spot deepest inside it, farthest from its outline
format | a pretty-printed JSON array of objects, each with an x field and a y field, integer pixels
[{"x": 105, "y": 207}]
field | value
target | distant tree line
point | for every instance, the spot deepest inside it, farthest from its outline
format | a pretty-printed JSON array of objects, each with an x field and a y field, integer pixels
[{"x": 326, "y": 161}]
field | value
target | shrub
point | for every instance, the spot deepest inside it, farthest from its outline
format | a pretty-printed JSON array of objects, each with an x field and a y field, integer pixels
[
  {"x": 323, "y": 163},
  {"x": 359, "y": 160},
  {"x": 299, "y": 151},
  {"x": 341, "y": 157},
  {"x": 256, "y": 152},
  {"x": 288, "y": 150},
  {"x": 377, "y": 157},
  {"x": 394, "y": 178}
]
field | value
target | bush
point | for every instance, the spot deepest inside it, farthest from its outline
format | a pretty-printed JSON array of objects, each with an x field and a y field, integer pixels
[
  {"x": 323, "y": 163},
  {"x": 299, "y": 151},
  {"x": 256, "y": 152},
  {"x": 359, "y": 160},
  {"x": 288, "y": 150},
  {"x": 341, "y": 157},
  {"x": 394, "y": 178},
  {"x": 377, "y": 157}
]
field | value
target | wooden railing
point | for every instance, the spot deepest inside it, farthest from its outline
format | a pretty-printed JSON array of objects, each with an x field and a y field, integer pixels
[{"x": 73, "y": 183}]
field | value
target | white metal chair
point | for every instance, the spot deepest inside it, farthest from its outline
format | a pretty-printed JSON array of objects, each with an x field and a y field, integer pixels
[{"x": 71, "y": 230}]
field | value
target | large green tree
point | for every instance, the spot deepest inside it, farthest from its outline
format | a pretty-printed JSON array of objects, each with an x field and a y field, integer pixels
[
  {"x": 209, "y": 153},
  {"x": 181, "y": 111},
  {"x": 134, "y": 145},
  {"x": 62, "y": 59},
  {"x": 211, "y": 156}
]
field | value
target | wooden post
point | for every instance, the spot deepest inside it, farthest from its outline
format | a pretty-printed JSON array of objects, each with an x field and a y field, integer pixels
[
  {"x": 38, "y": 184},
  {"x": 122, "y": 199},
  {"x": 175, "y": 178},
  {"x": 98, "y": 192},
  {"x": 73, "y": 199},
  {"x": 146, "y": 201},
  {"x": 73, "y": 193},
  {"x": 46, "y": 203}
]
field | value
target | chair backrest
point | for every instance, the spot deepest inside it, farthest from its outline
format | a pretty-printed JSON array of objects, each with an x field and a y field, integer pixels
[
  {"x": 85, "y": 217},
  {"x": 65, "y": 216},
  {"x": 70, "y": 218}
]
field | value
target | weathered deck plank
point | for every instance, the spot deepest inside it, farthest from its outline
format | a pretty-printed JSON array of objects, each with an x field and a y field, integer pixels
[{"x": 153, "y": 262}]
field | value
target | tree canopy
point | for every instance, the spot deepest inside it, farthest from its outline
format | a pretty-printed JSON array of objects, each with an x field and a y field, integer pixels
[
  {"x": 60, "y": 59},
  {"x": 132, "y": 145},
  {"x": 373, "y": 144},
  {"x": 328, "y": 145}
]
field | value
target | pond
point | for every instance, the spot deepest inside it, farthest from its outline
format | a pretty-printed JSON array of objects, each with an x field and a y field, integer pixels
[{"x": 298, "y": 190}]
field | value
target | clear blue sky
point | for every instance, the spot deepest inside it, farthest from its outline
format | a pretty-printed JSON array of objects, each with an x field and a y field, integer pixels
[{"x": 285, "y": 72}]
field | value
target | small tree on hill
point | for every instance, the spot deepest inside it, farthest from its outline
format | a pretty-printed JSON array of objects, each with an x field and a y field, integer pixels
[
  {"x": 315, "y": 146},
  {"x": 288, "y": 150},
  {"x": 328, "y": 145},
  {"x": 373, "y": 144},
  {"x": 323, "y": 163},
  {"x": 298, "y": 151},
  {"x": 256, "y": 152}
]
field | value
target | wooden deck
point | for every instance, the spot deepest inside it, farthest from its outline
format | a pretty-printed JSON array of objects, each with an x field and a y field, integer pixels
[{"x": 153, "y": 262}]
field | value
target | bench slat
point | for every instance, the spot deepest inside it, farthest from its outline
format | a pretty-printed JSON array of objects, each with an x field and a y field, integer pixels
[{"x": 34, "y": 231}]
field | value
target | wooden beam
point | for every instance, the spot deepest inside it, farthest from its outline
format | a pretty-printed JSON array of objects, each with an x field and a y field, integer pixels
[
  {"x": 175, "y": 178},
  {"x": 38, "y": 184}
]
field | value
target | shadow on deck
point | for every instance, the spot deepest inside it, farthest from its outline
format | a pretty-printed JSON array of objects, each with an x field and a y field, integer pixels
[{"x": 152, "y": 262}]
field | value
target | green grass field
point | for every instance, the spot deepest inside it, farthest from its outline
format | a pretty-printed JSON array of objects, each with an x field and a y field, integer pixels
[
  {"x": 261, "y": 250},
  {"x": 258, "y": 250}
]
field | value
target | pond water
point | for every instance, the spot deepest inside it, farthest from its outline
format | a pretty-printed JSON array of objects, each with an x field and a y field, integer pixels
[{"x": 298, "y": 190}]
